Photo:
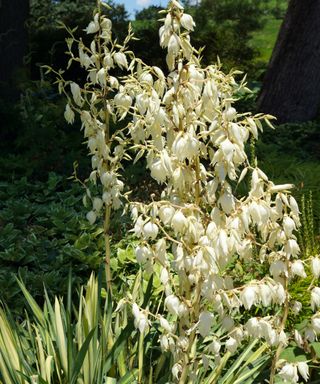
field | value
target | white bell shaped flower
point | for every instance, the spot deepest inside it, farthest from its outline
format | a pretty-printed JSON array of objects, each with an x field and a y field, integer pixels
[
  {"x": 150, "y": 230},
  {"x": 315, "y": 267},
  {"x": 166, "y": 213},
  {"x": 187, "y": 22},
  {"x": 205, "y": 323},
  {"x": 172, "y": 303},
  {"x": 91, "y": 217},
  {"x": 303, "y": 370},
  {"x": 179, "y": 222},
  {"x": 297, "y": 269},
  {"x": 315, "y": 322},
  {"x": 121, "y": 60},
  {"x": 248, "y": 296},
  {"x": 69, "y": 114},
  {"x": 289, "y": 373},
  {"x": 315, "y": 298},
  {"x": 231, "y": 345},
  {"x": 97, "y": 204},
  {"x": 93, "y": 26},
  {"x": 76, "y": 93},
  {"x": 176, "y": 370}
]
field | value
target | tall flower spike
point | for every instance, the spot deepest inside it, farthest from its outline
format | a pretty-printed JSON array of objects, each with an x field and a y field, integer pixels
[{"x": 195, "y": 144}]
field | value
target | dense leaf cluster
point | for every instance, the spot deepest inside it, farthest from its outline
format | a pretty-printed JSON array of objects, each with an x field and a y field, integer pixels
[{"x": 44, "y": 233}]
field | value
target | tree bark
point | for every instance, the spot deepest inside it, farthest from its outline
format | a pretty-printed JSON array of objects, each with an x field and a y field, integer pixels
[
  {"x": 291, "y": 87},
  {"x": 13, "y": 41}
]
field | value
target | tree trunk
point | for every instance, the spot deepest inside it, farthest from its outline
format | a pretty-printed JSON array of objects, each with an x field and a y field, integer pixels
[
  {"x": 291, "y": 87},
  {"x": 13, "y": 41}
]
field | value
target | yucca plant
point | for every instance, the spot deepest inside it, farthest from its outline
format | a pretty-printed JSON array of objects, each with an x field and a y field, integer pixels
[{"x": 65, "y": 344}]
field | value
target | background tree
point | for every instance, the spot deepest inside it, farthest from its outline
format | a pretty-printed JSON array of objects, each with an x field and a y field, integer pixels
[
  {"x": 13, "y": 42},
  {"x": 225, "y": 28},
  {"x": 146, "y": 29},
  {"x": 291, "y": 87},
  {"x": 47, "y": 39},
  {"x": 218, "y": 26}
]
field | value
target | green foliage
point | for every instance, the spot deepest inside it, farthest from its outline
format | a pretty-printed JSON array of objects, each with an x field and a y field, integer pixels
[
  {"x": 146, "y": 30},
  {"x": 40, "y": 140},
  {"x": 44, "y": 233},
  {"x": 66, "y": 343},
  {"x": 218, "y": 25},
  {"x": 224, "y": 22},
  {"x": 87, "y": 340},
  {"x": 291, "y": 152},
  {"x": 309, "y": 231},
  {"x": 47, "y": 37}
]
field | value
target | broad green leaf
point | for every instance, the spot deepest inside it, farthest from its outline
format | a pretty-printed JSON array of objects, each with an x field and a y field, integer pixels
[
  {"x": 293, "y": 355},
  {"x": 316, "y": 347}
]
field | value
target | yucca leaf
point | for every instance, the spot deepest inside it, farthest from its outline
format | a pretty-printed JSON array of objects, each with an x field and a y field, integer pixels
[
  {"x": 129, "y": 378},
  {"x": 229, "y": 375},
  {"x": 216, "y": 373},
  {"x": 69, "y": 325},
  {"x": 251, "y": 372},
  {"x": 32, "y": 303},
  {"x": 9, "y": 349},
  {"x": 48, "y": 368},
  {"x": 110, "y": 380},
  {"x": 61, "y": 337},
  {"x": 40, "y": 355},
  {"x": 117, "y": 347},
  {"x": 80, "y": 357},
  {"x": 148, "y": 292}
]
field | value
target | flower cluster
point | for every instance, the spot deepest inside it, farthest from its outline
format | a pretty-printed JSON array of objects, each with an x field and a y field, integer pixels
[
  {"x": 191, "y": 239},
  {"x": 202, "y": 231},
  {"x": 96, "y": 106}
]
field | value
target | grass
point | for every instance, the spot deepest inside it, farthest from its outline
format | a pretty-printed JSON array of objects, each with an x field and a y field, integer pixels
[{"x": 264, "y": 39}]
